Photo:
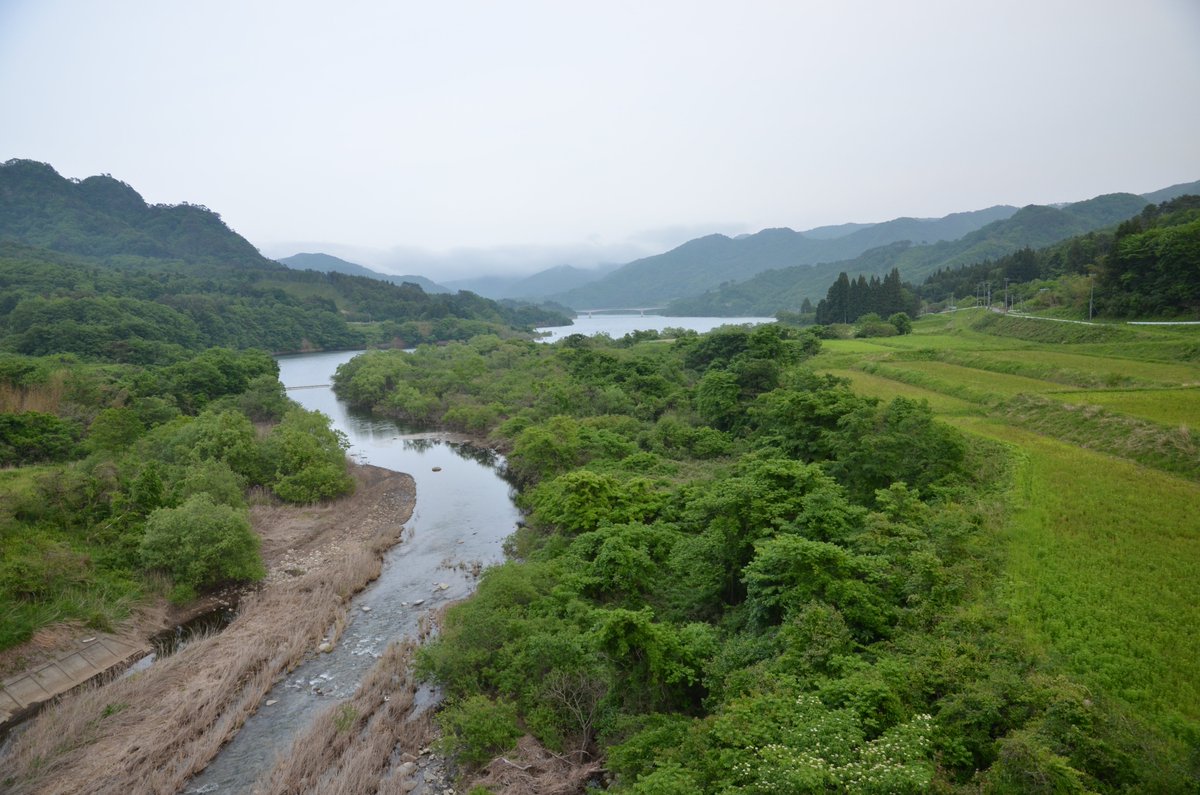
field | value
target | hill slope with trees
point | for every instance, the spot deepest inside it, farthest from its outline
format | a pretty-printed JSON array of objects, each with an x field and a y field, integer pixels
[
  {"x": 327, "y": 263},
  {"x": 1032, "y": 226},
  {"x": 87, "y": 267},
  {"x": 706, "y": 262}
]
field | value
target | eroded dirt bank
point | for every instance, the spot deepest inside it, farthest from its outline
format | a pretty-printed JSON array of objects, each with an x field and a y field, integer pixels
[{"x": 152, "y": 731}]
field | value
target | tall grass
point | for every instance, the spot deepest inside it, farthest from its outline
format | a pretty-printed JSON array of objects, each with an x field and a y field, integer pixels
[
  {"x": 1101, "y": 572},
  {"x": 1038, "y": 330},
  {"x": 1082, "y": 369},
  {"x": 1175, "y": 450},
  {"x": 885, "y": 389},
  {"x": 349, "y": 748},
  {"x": 46, "y": 398},
  {"x": 1101, "y": 559},
  {"x": 1177, "y": 407}
]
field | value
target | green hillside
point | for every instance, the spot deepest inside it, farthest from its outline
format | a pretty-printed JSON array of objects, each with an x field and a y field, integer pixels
[
  {"x": 88, "y": 268},
  {"x": 707, "y": 262},
  {"x": 1032, "y": 226},
  {"x": 327, "y": 263},
  {"x": 103, "y": 217}
]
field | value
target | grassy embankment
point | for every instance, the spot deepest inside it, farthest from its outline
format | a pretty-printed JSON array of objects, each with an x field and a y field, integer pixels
[{"x": 1102, "y": 536}]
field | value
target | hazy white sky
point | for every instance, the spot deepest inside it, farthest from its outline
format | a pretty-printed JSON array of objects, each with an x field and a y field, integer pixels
[{"x": 544, "y": 132}]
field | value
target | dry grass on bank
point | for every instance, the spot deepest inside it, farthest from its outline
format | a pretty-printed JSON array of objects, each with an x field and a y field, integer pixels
[
  {"x": 532, "y": 769},
  {"x": 153, "y": 731},
  {"x": 365, "y": 744}
]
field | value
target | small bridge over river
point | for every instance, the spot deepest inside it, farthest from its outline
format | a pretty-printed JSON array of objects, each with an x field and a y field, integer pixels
[{"x": 621, "y": 310}]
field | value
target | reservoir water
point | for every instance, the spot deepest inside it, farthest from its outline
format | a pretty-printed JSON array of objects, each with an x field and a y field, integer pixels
[{"x": 619, "y": 325}]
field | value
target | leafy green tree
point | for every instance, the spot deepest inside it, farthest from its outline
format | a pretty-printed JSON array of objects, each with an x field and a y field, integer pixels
[
  {"x": 213, "y": 478},
  {"x": 717, "y": 398},
  {"x": 582, "y": 500},
  {"x": 225, "y": 436},
  {"x": 902, "y": 322},
  {"x": 264, "y": 399},
  {"x": 309, "y": 458},
  {"x": 114, "y": 430},
  {"x": 201, "y": 544},
  {"x": 32, "y": 436},
  {"x": 477, "y": 728}
]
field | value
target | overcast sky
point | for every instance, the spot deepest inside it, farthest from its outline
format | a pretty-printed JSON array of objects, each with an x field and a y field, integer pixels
[{"x": 530, "y": 133}]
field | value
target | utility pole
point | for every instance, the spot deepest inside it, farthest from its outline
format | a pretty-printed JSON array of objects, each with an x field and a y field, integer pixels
[
  {"x": 1091, "y": 295},
  {"x": 1006, "y": 296}
]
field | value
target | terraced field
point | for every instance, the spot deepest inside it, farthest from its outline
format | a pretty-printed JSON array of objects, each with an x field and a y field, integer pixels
[
  {"x": 1180, "y": 406},
  {"x": 1102, "y": 521}
]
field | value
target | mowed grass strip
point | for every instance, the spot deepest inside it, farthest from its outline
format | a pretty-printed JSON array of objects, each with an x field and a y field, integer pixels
[
  {"x": 1103, "y": 571},
  {"x": 983, "y": 380},
  {"x": 962, "y": 341},
  {"x": 885, "y": 389},
  {"x": 976, "y": 386},
  {"x": 1097, "y": 370},
  {"x": 1171, "y": 407}
]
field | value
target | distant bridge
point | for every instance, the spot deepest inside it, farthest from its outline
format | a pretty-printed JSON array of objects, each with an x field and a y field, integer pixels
[{"x": 621, "y": 310}]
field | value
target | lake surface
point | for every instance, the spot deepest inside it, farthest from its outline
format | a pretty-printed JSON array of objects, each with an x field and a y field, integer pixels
[
  {"x": 617, "y": 326},
  {"x": 463, "y": 514}
]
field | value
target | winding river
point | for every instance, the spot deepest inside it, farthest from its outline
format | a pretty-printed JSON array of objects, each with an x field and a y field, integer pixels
[{"x": 463, "y": 513}]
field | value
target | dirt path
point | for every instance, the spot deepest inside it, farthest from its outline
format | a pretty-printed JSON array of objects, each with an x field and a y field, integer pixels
[{"x": 152, "y": 731}]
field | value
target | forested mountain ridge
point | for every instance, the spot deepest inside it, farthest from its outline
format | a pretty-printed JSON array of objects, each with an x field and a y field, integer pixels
[
  {"x": 104, "y": 217},
  {"x": 1032, "y": 226},
  {"x": 327, "y": 263},
  {"x": 1173, "y": 192},
  {"x": 706, "y": 262},
  {"x": 551, "y": 281},
  {"x": 88, "y": 268},
  {"x": 1146, "y": 266}
]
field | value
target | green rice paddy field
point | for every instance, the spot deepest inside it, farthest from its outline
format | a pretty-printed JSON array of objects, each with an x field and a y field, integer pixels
[{"x": 1102, "y": 553}]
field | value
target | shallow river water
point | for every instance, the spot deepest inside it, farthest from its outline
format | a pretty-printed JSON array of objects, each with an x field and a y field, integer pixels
[{"x": 462, "y": 515}]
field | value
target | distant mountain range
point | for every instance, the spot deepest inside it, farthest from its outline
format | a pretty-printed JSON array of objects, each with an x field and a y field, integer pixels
[
  {"x": 720, "y": 275},
  {"x": 706, "y": 262},
  {"x": 1034, "y": 226},
  {"x": 552, "y": 281},
  {"x": 327, "y": 263}
]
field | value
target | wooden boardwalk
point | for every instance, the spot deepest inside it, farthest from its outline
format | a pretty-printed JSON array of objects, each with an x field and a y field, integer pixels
[{"x": 48, "y": 680}]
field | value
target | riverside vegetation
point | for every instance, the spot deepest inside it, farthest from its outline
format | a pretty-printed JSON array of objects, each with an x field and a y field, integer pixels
[
  {"x": 123, "y": 481},
  {"x": 742, "y": 574}
]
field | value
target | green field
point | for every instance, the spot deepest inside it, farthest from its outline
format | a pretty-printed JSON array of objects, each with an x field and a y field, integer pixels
[
  {"x": 1101, "y": 545},
  {"x": 1101, "y": 570},
  {"x": 886, "y": 389},
  {"x": 1179, "y": 406}
]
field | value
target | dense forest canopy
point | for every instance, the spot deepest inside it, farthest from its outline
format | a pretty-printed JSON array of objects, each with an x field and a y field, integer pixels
[
  {"x": 1144, "y": 267},
  {"x": 739, "y": 576}
]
